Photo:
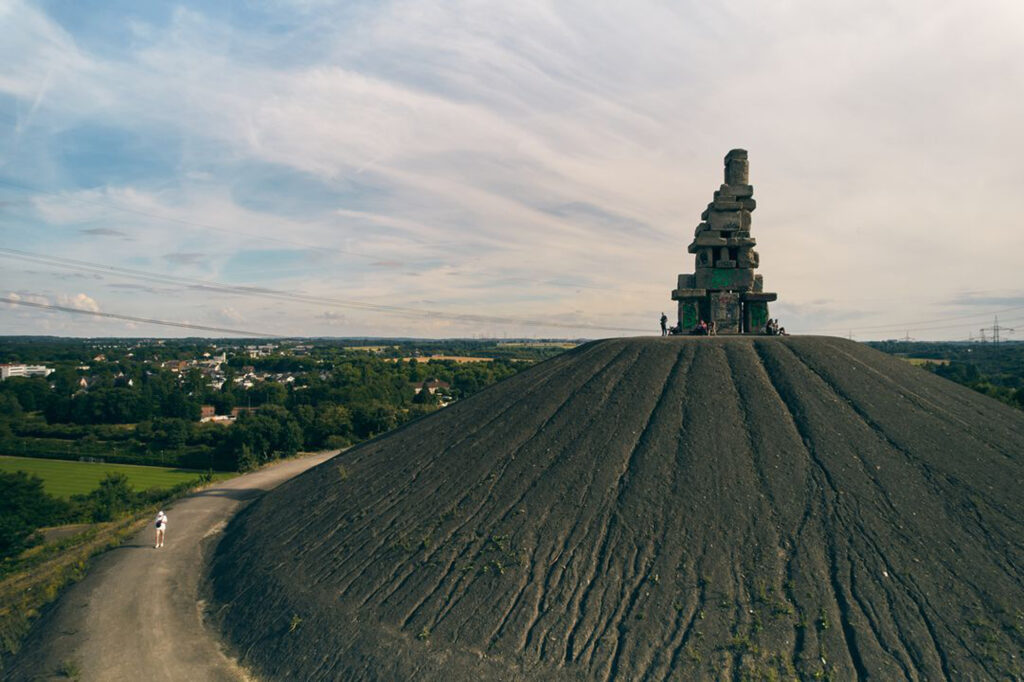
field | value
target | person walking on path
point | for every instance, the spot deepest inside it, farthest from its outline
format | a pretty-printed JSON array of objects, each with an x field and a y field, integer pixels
[
  {"x": 664, "y": 321},
  {"x": 161, "y": 525}
]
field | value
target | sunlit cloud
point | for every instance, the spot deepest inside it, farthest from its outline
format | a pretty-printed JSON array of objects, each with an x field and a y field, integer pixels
[{"x": 79, "y": 302}]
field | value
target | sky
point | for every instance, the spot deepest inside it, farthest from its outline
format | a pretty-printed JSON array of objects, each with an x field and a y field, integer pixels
[{"x": 504, "y": 169}]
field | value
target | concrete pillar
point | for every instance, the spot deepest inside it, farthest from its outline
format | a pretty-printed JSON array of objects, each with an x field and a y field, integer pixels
[{"x": 737, "y": 168}]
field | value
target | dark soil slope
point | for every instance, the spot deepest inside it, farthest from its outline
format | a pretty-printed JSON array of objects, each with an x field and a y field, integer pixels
[{"x": 678, "y": 508}]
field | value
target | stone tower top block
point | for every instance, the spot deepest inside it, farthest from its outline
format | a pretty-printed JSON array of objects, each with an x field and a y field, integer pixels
[{"x": 737, "y": 168}]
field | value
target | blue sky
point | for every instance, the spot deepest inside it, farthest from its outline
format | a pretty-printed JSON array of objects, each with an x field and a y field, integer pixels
[{"x": 392, "y": 166}]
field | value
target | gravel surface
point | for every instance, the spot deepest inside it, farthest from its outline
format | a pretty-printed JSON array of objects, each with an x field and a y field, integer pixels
[
  {"x": 670, "y": 508},
  {"x": 137, "y": 615}
]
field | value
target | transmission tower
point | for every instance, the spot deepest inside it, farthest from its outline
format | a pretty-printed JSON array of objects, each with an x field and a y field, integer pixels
[
  {"x": 907, "y": 338},
  {"x": 995, "y": 329}
]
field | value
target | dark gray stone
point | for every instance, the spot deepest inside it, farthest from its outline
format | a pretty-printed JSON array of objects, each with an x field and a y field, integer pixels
[
  {"x": 737, "y": 168},
  {"x": 734, "y": 279},
  {"x": 725, "y": 311},
  {"x": 686, "y": 294},
  {"x": 746, "y": 258},
  {"x": 739, "y": 191}
]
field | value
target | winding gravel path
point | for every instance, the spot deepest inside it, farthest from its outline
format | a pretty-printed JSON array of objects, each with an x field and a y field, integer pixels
[{"x": 137, "y": 615}]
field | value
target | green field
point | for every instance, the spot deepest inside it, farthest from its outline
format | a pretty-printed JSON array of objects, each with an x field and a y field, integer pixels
[{"x": 62, "y": 478}]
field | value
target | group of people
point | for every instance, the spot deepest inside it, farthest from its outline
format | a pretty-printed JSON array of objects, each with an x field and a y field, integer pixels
[
  {"x": 701, "y": 329},
  {"x": 705, "y": 329},
  {"x": 771, "y": 328}
]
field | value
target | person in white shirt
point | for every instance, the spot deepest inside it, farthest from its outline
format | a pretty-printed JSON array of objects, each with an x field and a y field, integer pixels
[{"x": 161, "y": 525}]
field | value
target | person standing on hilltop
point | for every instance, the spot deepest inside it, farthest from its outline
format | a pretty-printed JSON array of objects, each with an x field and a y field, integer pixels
[
  {"x": 664, "y": 322},
  {"x": 161, "y": 525}
]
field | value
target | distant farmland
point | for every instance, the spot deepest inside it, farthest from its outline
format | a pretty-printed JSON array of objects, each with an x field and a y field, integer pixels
[{"x": 62, "y": 478}]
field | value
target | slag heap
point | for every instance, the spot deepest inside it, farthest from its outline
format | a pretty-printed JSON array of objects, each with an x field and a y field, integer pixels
[{"x": 725, "y": 289}]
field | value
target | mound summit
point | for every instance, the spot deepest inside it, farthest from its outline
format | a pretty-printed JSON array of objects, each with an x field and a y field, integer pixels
[{"x": 647, "y": 509}]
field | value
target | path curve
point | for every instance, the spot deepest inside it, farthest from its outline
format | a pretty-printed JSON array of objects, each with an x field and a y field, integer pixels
[{"x": 137, "y": 614}]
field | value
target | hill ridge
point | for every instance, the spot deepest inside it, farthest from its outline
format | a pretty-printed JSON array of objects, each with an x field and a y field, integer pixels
[{"x": 650, "y": 509}]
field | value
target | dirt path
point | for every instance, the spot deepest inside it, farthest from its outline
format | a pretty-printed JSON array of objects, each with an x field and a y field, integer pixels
[{"x": 136, "y": 616}]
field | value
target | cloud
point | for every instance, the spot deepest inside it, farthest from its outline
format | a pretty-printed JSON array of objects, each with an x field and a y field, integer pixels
[
  {"x": 25, "y": 296},
  {"x": 187, "y": 258},
  {"x": 79, "y": 302},
  {"x": 229, "y": 315},
  {"x": 333, "y": 319},
  {"x": 142, "y": 288},
  {"x": 104, "y": 232},
  {"x": 988, "y": 301}
]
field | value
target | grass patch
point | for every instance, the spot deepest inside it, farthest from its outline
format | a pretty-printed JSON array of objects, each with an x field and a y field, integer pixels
[
  {"x": 39, "y": 581},
  {"x": 64, "y": 478},
  {"x": 68, "y": 669}
]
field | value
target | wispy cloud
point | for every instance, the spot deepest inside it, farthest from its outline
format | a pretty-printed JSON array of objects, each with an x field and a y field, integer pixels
[
  {"x": 989, "y": 301},
  {"x": 103, "y": 232},
  {"x": 184, "y": 258}
]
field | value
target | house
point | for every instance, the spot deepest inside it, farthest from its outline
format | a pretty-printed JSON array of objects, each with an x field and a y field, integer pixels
[
  {"x": 206, "y": 413},
  {"x": 8, "y": 371},
  {"x": 432, "y": 386},
  {"x": 175, "y": 365},
  {"x": 237, "y": 412}
]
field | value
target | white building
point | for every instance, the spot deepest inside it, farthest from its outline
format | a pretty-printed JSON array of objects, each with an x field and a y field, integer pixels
[{"x": 7, "y": 371}]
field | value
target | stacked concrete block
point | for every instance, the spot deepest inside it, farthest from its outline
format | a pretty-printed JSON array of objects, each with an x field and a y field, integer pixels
[{"x": 724, "y": 288}]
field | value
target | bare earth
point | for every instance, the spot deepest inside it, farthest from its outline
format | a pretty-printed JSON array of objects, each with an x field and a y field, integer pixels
[
  {"x": 137, "y": 615},
  {"x": 685, "y": 508}
]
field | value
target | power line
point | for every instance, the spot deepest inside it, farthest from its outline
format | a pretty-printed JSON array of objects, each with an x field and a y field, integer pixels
[
  {"x": 144, "y": 320},
  {"x": 262, "y": 237},
  {"x": 904, "y": 326},
  {"x": 189, "y": 223},
  {"x": 277, "y": 294}
]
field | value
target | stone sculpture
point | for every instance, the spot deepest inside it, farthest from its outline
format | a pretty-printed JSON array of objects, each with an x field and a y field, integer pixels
[{"x": 724, "y": 288}]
